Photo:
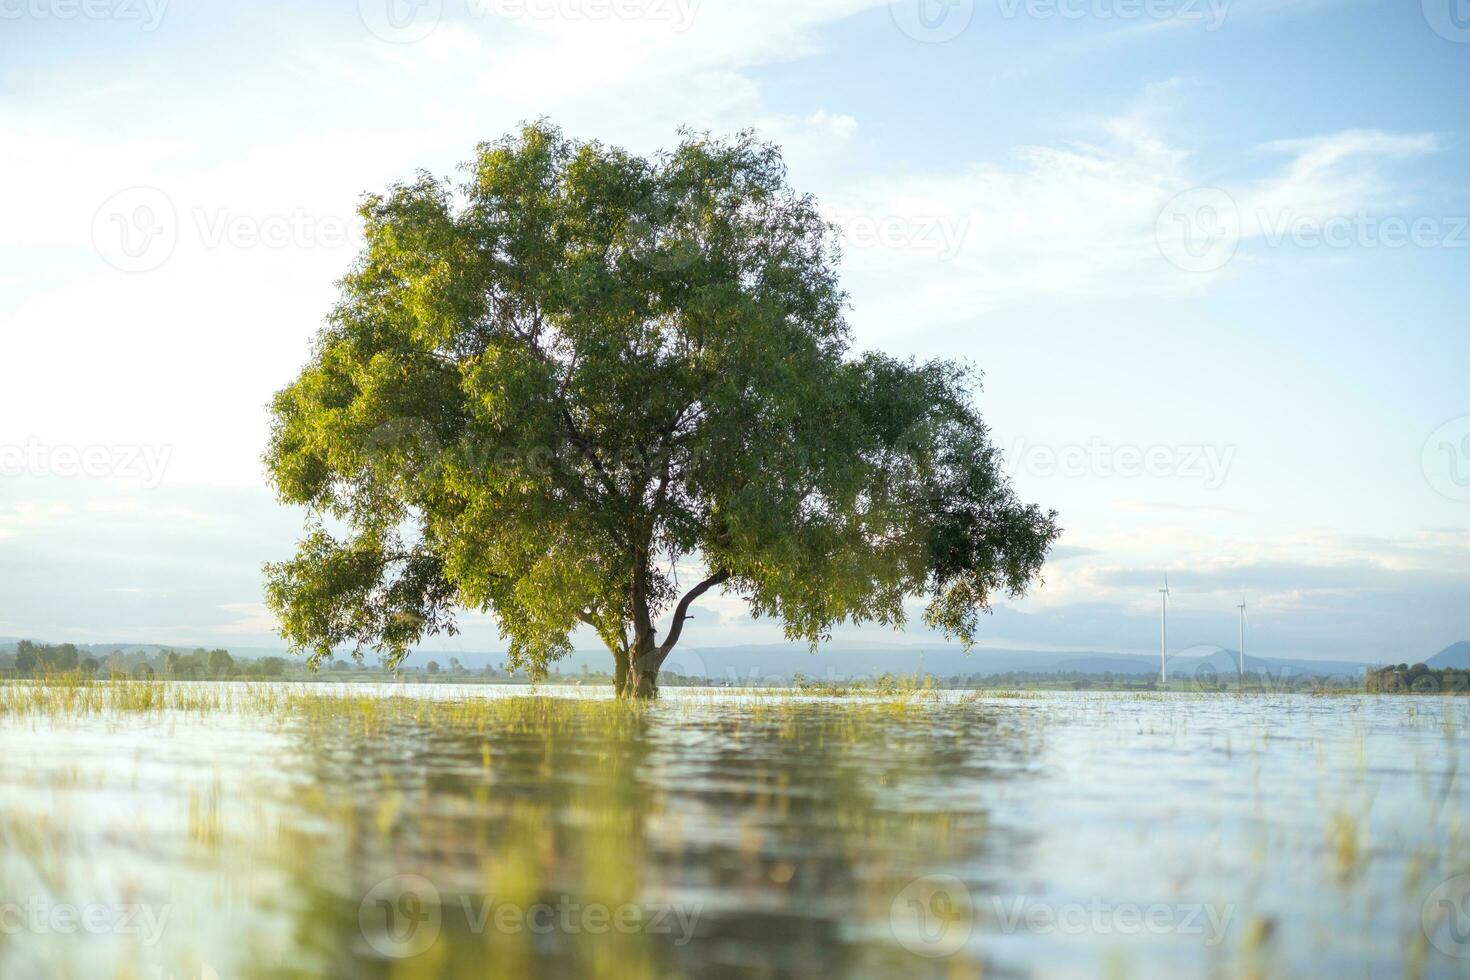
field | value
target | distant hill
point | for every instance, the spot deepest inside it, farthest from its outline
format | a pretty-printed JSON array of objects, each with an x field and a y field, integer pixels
[
  {"x": 1451, "y": 656},
  {"x": 851, "y": 660},
  {"x": 7, "y": 645},
  {"x": 857, "y": 659}
]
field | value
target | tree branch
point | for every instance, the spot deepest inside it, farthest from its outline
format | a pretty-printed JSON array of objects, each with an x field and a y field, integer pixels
[{"x": 682, "y": 612}]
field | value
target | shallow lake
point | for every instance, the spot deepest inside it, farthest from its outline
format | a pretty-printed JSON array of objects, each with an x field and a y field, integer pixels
[{"x": 302, "y": 830}]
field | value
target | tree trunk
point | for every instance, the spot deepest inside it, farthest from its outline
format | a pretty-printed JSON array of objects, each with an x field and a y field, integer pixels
[
  {"x": 645, "y": 657},
  {"x": 638, "y": 667},
  {"x": 643, "y": 684},
  {"x": 620, "y": 673},
  {"x": 643, "y": 663}
]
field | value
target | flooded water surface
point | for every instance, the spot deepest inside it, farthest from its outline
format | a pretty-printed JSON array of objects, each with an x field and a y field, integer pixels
[{"x": 196, "y": 830}]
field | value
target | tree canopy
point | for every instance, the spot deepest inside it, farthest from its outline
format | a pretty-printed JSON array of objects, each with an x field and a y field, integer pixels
[{"x": 585, "y": 387}]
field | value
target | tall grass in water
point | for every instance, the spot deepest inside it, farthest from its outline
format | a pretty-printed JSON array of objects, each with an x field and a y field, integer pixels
[{"x": 74, "y": 694}]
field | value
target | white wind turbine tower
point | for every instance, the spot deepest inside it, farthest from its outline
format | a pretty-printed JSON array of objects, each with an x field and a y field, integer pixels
[
  {"x": 1164, "y": 634},
  {"x": 1241, "y": 607}
]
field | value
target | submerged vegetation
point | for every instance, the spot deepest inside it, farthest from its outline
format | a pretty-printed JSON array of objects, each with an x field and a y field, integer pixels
[
  {"x": 272, "y": 829},
  {"x": 70, "y": 695},
  {"x": 496, "y": 803}
]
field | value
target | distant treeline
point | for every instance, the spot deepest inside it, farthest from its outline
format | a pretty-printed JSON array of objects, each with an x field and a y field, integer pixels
[
  {"x": 40, "y": 659},
  {"x": 1418, "y": 679},
  {"x": 31, "y": 660}
]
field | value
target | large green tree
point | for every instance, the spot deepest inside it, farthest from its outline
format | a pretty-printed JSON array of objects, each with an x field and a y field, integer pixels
[{"x": 587, "y": 387}]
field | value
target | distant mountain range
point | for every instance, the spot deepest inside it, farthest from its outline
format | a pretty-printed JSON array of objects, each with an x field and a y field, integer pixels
[
  {"x": 780, "y": 661},
  {"x": 7, "y": 645}
]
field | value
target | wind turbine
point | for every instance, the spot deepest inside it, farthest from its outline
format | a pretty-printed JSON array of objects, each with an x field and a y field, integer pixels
[
  {"x": 1241, "y": 607},
  {"x": 1164, "y": 634}
]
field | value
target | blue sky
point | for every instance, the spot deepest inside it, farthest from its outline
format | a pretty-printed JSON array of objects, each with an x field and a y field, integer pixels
[{"x": 1210, "y": 255}]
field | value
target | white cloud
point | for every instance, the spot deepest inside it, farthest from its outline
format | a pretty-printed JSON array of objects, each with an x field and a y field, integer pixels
[
  {"x": 249, "y": 619},
  {"x": 1331, "y": 176},
  {"x": 1079, "y": 221},
  {"x": 257, "y": 210}
]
